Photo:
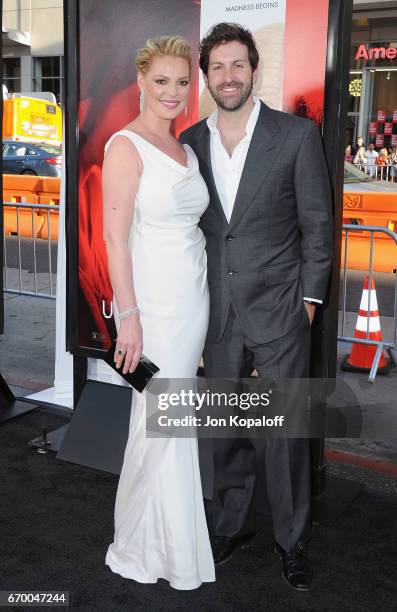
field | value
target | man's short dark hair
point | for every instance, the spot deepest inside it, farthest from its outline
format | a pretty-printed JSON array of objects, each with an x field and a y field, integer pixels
[{"x": 223, "y": 33}]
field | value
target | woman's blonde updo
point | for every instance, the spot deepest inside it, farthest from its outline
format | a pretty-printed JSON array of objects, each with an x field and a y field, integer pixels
[{"x": 175, "y": 46}]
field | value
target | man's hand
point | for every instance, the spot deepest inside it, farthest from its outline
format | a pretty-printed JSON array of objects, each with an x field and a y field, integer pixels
[{"x": 311, "y": 309}]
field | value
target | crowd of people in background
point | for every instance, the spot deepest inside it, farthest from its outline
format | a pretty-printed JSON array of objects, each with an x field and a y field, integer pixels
[{"x": 378, "y": 164}]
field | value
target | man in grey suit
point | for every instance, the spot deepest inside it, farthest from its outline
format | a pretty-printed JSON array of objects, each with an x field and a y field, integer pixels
[{"x": 269, "y": 243}]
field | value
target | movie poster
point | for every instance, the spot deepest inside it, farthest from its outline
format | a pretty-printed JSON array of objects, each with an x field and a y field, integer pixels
[
  {"x": 108, "y": 100},
  {"x": 292, "y": 40}
]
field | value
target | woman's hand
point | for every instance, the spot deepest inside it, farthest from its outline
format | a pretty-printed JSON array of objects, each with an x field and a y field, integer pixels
[{"x": 129, "y": 340}]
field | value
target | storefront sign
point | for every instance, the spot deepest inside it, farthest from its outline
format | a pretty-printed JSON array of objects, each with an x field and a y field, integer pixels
[{"x": 376, "y": 53}]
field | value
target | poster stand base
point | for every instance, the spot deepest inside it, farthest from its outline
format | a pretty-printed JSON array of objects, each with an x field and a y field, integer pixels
[
  {"x": 49, "y": 442},
  {"x": 10, "y": 406},
  {"x": 97, "y": 434}
]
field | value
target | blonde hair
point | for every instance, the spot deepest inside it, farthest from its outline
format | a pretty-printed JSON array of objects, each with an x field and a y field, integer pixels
[{"x": 175, "y": 46}]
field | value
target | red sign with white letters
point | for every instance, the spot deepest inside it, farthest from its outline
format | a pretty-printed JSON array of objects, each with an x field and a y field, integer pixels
[
  {"x": 388, "y": 128},
  {"x": 380, "y": 139},
  {"x": 372, "y": 127},
  {"x": 394, "y": 140},
  {"x": 381, "y": 115},
  {"x": 376, "y": 53}
]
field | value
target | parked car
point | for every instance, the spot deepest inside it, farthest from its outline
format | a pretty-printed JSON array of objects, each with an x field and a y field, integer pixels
[{"x": 31, "y": 158}]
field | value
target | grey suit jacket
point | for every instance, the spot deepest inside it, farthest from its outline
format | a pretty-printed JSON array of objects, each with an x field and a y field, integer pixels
[{"x": 277, "y": 247}]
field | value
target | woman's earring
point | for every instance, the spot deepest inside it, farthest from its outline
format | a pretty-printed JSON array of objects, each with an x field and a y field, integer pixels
[
  {"x": 142, "y": 102},
  {"x": 186, "y": 111}
]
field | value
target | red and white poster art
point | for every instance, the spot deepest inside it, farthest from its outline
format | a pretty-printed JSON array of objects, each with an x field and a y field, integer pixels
[
  {"x": 292, "y": 72},
  {"x": 372, "y": 127},
  {"x": 381, "y": 115},
  {"x": 379, "y": 141},
  {"x": 388, "y": 128},
  {"x": 109, "y": 100}
]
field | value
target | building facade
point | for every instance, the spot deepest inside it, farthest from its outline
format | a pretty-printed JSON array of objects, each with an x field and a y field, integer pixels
[
  {"x": 33, "y": 46},
  {"x": 372, "y": 112}
]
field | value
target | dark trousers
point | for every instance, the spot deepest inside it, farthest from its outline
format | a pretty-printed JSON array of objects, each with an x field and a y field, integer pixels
[{"x": 287, "y": 461}]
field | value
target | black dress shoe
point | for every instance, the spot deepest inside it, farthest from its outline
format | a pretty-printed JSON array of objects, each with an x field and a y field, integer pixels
[
  {"x": 223, "y": 547},
  {"x": 296, "y": 569}
]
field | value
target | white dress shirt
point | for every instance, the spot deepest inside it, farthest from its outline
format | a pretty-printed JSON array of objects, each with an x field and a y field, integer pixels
[
  {"x": 226, "y": 169},
  {"x": 371, "y": 161},
  {"x": 371, "y": 156}
]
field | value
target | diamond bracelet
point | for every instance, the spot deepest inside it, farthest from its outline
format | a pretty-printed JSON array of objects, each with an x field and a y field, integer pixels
[{"x": 128, "y": 313}]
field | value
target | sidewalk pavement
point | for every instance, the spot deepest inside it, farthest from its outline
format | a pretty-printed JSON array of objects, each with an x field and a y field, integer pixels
[
  {"x": 27, "y": 362},
  {"x": 27, "y": 347}
]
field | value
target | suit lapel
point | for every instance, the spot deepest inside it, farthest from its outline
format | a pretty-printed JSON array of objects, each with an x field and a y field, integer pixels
[
  {"x": 259, "y": 160},
  {"x": 206, "y": 171}
]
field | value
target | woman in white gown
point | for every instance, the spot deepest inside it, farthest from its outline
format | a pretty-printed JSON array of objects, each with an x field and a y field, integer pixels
[{"x": 153, "y": 197}]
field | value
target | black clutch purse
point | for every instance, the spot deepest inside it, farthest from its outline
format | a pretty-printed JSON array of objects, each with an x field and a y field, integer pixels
[{"x": 142, "y": 374}]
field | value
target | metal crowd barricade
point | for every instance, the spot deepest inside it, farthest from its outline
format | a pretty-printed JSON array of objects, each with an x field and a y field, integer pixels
[
  {"x": 388, "y": 344},
  {"x": 380, "y": 173},
  {"x": 48, "y": 210}
]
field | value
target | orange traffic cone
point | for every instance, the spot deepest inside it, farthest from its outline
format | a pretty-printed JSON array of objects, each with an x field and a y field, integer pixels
[{"x": 362, "y": 355}]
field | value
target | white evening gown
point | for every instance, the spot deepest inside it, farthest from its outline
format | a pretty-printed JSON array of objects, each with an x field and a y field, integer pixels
[{"x": 160, "y": 524}]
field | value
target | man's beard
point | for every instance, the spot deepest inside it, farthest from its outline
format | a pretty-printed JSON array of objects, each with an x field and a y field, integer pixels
[{"x": 232, "y": 103}]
